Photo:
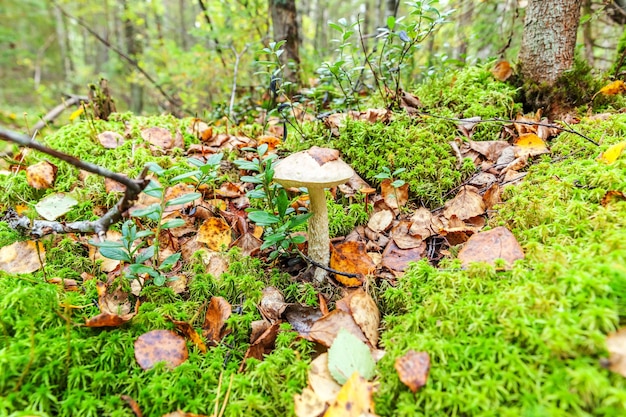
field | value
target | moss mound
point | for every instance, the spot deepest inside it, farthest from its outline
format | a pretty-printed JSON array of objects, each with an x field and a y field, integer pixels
[{"x": 526, "y": 342}]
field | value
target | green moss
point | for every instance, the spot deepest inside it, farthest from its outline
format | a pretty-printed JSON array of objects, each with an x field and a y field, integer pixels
[{"x": 527, "y": 341}]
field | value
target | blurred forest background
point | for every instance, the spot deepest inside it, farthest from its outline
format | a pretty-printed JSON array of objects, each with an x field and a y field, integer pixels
[{"x": 195, "y": 57}]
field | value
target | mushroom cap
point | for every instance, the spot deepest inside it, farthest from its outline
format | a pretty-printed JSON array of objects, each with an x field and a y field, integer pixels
[{"x": 317, "y": 167}]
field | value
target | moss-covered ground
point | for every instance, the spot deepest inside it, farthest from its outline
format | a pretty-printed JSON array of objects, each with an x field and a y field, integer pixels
[{"x": 524, "y": 342}]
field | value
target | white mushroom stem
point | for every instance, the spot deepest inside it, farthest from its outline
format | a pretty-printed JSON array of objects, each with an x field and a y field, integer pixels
[{"x": 319, "y": 240}]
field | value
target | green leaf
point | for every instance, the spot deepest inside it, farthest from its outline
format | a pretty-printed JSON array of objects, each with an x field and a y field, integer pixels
[
  {"x": 173, "y": 223},
  {"x": 170, "y": 260},
  {"x": 391, "y": 22},
  {"x": 145, "y": 212},
  {"x": 145, "y": 255},
  {"x": 298, "y": 239},
  {"x": 298, "y": 220},
  {"x": 397, "y": 183},
  {"x": 183, "y": 199},
  {"x": 282, "y": 202},
  {"x": 138, "y": 269},
  {"x": 186, "y": 175},
  {"x": 348, "y": 354},
  {"x": 251, "y": 179},
  {"x": 154, "y": 167},
  {"x": 159, "y": 279},
  {"x": 153, "y": 189},
  {"x": 107, "y": 244},
  {"x": 263, "y": 218},
  {"x": 144, "y": 233},
  {"x": 117, "y": 254}
]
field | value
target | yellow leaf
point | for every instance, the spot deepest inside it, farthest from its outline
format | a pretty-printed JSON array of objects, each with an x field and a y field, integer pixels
[
  {"x": 215, "y": 232},
  {"x": 354, "y": 399},
  {"x": 76, "y": 113},
  {"x": 614, "y": 88},
  {"x": 612, "y": 153}
]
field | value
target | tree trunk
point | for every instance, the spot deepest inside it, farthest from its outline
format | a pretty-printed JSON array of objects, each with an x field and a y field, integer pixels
[
  {"x": 133, "y": 49},
  {"x": 285, "y": 24},
  {"x": 549, "y": 39}
]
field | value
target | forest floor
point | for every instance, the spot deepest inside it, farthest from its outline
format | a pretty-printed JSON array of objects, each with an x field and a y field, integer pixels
[{"x": 484, "y": 252}]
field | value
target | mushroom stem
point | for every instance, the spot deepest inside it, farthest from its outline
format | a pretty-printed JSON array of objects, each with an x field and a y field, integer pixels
[{"x": 319, "y": 241}]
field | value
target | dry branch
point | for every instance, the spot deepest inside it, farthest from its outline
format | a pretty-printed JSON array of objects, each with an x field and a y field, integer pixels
[{"x": 40, "y": 228}]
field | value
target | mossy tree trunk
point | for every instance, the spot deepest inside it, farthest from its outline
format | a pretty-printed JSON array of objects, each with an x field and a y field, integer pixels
[{"x": 549, "y": 39}]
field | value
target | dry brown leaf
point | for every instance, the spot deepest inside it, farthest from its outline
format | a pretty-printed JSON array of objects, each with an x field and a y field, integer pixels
[
  {"x": 115, "y": 308},
  {"x": 490, "y": 149},
  {"x": 400, "y": 235},
  {"x": 215, "y": 232},
  {"x": 380, "y": 221},
  {"x": 159, "y": 138},
  {"x": 365, "y": 313},
  {"x": 612, "y": 196},
  {"x": 326, "y": 328},
  {"x": 467, "y": 203},
  {"x": 248, "y": 243},
  {"x": 22, "y": 257},
  {"x": 230, "y": 190},
  {"x": 502, "y": 71},
  {"x": 498, "y": 243},
  {"x": 272, "y": 304},
  {"x": 616, "y": 345},
  {"x": 397, "y": 259},
  {"x": 413, "y": 369},
  {"x": 492, "y": 196},
  {"x": 394, "y": 197},
  {"x": 422, "y": 224},
  {"x": 160, "y": 345},
  {"x": 42, "y": 175},
  {"x": 110, "y": 140},
  {"x": 262, "y": 346},
  {"x": 321, "y": 381},
  {"x": 350, "y": 257},
  {"x": 67, "y": 283},
  {"x": 302, "y": 317},
  {"x": 189, "y": 332},
  {"x": 217, "y": 313},
  {"x": 180, "y": 413},
  {"x": 176, "y": 191},
  {"x": 354, "y": 399},
  {"x": 271, "y": 141},
  {"x": 200, "y": 129}
]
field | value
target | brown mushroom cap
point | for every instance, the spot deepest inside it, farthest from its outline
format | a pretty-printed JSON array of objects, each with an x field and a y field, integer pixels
[{"x": 317, "y": 167}]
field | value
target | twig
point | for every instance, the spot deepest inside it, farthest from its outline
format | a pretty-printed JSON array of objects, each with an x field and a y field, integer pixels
[
  {"x": 238, "y": 56},
  {"x": 499, "y": 120},
  {"x": 136, "y": 185},
  {"x": 327, "y": 268},
  {"x": 55, "y": 112}
]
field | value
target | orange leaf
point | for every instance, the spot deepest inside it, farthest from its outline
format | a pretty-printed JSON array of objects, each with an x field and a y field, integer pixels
[
  {"x": 614, "y": 88},
  {"x": 217, "y": 313},
  {"x": 215, "y": 232},
  {"x": 189, "y": 332},
  {"x": 41, "y": 175},
  {"x": 158, "y": 346},
  {"x": 502, "y": 71},
  {"x": 351, "y": 257}
]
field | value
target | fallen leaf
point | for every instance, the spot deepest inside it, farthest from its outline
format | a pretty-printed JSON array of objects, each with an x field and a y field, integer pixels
[
  {"x": 614, "y": 88},
  {"x": 354, "y": 399},
  {"x": 308, "y": 404},
  {"x": 302, "y": 317},
  {"x": 262, "y": 346},
  {"x": 132, "y": 404},
  {"x": 529, "y": 144},
  {"x": 616, "y": 345},
  {"x": 215, "y": 232},
  {"x": 365, "y": 313},
  {"x": 326, "y": 328},
  {"x": 347, "y": 355},
  {"x": 404, "y": 240},
  {"x": 42, "y": 175},
  {"x": 423, "y": 224},
  {"x": 413, "y": 369},
  {"x": 272, "y": 304},
  {"x": 218, "y": 311},
  {"x": 497, "y": 243},
  {"x": 612, "y": 153},
  {"x": 22, "y": 257},
  {"x": 323, "y": 155},
  {"x": 397, "y": 259},
  {"x": 502, "y": 71},
  {"x": 189, "y": 332},
  {"x": 67, "y": 283},
  {"x": 248, "y": 243},
  {"x": 110, "y": 140},
  {"x": 115, "y": 308},
  {"x": 467, "y": 203},
  {"x": 180, "y": 413},
  {"x": 159, "y": 138},
  {"x": 321, "y": 381},
  {"x": 395, "y": 197},
  {"x": 54, "y": 206},
  {"x": 160, "y": 346},
  {"x": 350, "y": 257},
  {"x": 611, "y": 196},
  {"x": 380, "y": 221}
]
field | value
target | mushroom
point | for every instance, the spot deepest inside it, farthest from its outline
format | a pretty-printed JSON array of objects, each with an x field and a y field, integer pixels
[{"x": 316, "y": 169}]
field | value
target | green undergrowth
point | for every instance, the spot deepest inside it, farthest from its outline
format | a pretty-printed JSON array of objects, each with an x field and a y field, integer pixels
[
  {"x": 525, "y": 342},
  {"x": 54, "y": 366}
]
